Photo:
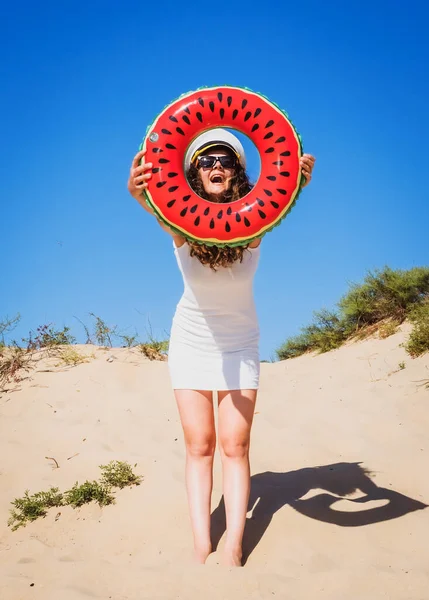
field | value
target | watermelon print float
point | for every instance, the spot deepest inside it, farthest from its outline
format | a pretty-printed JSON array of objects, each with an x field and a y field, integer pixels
[{"x": 229, "y": 224}]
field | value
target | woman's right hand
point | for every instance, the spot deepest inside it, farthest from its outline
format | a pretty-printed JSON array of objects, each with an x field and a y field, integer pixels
[{"x": 139, "y": 177}]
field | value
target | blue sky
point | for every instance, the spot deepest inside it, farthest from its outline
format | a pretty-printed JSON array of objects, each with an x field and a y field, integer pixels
[{"x": 80, "y": 83}]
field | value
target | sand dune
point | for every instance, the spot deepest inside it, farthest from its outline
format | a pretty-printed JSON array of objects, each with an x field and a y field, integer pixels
[{"x": 339, "y": 487}]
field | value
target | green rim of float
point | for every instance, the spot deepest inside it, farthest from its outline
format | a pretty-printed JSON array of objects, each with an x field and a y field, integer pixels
[{"x": 263, "y": 208}]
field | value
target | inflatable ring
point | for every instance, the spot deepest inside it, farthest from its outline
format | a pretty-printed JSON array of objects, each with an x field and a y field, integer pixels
[{"x": 236, "y": 223}]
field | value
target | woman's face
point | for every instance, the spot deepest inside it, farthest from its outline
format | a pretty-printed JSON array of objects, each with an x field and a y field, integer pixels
[{"x": 216, "y": 179}]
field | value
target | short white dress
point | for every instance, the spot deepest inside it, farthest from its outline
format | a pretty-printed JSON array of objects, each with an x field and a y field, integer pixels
[{"x": 214, "y": 342}]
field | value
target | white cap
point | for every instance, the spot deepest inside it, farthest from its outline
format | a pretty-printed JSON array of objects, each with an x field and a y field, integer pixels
[{"x": 215, "y": 137}]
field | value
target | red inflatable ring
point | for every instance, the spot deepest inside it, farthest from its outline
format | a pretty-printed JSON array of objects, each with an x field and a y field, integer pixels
[{"x": 239, "y": 222}]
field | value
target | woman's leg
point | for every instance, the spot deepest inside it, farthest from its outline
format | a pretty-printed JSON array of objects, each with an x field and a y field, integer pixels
[
  {"x": 236, "y": 409},
  {"x": 196, "y": 414}
]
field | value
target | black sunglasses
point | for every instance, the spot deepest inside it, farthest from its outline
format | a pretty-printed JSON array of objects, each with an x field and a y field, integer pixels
[{"x": 207, "y": 162}]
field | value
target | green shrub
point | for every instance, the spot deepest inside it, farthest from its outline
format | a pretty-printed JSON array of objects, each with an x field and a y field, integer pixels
[
  {"x": 384, "y": 295},
  {"x": 87, "y": 492},
  {"x": 418, "y": 342},
  {"x": 129, "y": 340},
  {"x": 30, "y": 508},
  {"x": 116, "y": 474},
  {"x": 119, "y": 474},
  {"x": 103, "y": 333},
  {"x": 293, "y": 347},
  {"x": 326, "y": 332},
  {"x": 48, "y": 337}
]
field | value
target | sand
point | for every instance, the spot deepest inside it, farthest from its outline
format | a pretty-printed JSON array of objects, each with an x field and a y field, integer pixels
[{"x": 340, "y": 482}]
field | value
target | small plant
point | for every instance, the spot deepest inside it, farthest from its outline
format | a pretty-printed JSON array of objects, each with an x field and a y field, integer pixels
[
  {"x": 13, "y": 361},
  {"x": 130, "y": 340},
  {"x": 119, "y": 474},
  {"x": 48, "y": 337},
  {"x": 103, "y": 332},
  {"x": 418, "y": 342},
  {"x": 7, "y": 326},
  {"x": 326, "y": 332},
  {"x": 381, "y": 303},
  {"x": 116, "y": 474},
  {"x": 387, "y": 329},
  {"x": 154, "y": 350},
  {"x": 70, "y": 356},
  {"x": 30, "y": 508},
  {"x": 87, "y": 492},
  {"x": 88, "y": 335},
  {"x": 401, "y": 365}
]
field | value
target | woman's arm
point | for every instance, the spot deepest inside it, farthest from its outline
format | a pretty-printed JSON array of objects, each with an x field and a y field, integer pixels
[{"x": 137, "y": 182}]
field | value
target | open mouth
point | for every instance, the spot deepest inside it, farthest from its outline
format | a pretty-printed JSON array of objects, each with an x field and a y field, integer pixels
[{"x": 216, "y": 179}]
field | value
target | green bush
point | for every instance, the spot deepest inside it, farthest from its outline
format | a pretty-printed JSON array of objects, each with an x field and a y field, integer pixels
[
  {"x": 294, "y": 346},
  {"x": 129, "y": 340},
  {"x": 326, "y": 332},
  {"x": 103, "y": 333},
  {"x": 47, "y": 336},
  {"x": 418, "y": 342},
  {"x": 116, "y": 474},
  {"x": 384, "y": 295},
  {"x": 87, "y": 492},
  {"x": 30, "y": 508}
]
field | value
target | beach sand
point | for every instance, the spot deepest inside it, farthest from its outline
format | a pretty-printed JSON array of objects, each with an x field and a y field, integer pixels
[{"x": 340, "y": 485}]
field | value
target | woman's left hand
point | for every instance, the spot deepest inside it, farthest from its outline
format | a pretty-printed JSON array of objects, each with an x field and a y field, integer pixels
[{"x": 307, "y": 164}]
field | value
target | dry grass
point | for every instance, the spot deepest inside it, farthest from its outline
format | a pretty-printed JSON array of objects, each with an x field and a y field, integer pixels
[
  {"x": 71, "y": 357},
  {"x": 387, "y": 329},
  {"x": 152, "y": 351},
  {"x": 14, "y": 361}
]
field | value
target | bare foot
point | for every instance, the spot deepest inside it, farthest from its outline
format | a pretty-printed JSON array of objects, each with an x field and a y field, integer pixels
[{"x": 232, "y": 558}]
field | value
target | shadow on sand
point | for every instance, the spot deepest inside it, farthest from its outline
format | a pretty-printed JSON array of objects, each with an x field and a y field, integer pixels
[{"x": 271, "y": 491}]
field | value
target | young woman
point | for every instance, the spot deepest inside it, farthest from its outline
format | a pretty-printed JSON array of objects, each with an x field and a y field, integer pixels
[{"x": 214, "y": 341}]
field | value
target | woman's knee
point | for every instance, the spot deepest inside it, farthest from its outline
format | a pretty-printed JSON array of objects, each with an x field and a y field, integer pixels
[
  {"x": 200, "y": 447},
  {"x": 234, "y": 447}
]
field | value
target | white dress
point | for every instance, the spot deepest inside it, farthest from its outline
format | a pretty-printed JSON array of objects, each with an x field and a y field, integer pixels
[{"x": 214, "y": 343}]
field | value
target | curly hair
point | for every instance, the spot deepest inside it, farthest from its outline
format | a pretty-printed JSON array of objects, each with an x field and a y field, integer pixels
[{"x": 216, "y": 256}]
